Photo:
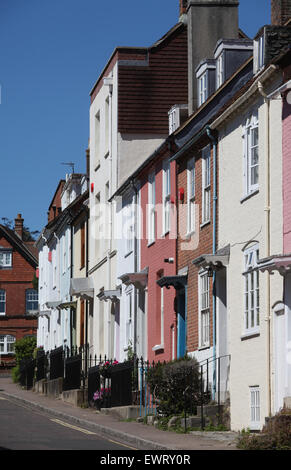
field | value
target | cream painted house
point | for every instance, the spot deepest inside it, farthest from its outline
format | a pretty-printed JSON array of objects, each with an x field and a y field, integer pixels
[{"x": 250, "y": 225}]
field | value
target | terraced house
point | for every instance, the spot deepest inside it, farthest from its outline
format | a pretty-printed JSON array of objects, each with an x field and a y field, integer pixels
[{"x": 180, "y": 243}]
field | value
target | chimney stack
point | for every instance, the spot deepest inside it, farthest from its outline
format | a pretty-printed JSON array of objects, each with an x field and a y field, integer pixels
[
  {"x": 183, "y": 7},
  {"x": 208, "y": 21},
  {"x": 280, "y": 12},
  {"x": 18, "y": 227}
]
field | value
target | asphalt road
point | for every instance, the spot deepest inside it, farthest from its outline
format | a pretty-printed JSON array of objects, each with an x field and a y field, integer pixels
[{"x": 22, "y": 428}]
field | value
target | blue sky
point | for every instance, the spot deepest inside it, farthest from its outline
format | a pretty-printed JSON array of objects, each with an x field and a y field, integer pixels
[{"x": 51, "y": 53}]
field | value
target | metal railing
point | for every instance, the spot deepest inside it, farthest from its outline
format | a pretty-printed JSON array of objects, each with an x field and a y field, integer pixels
[{"x": 110, "y": 383}]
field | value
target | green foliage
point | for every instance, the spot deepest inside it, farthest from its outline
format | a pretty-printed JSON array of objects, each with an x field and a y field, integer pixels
[
  {"x": 276, "y": 435},
  {"x": 175, "y": 386},
  {"x": 24, "y": 348},
  {"x": 35, "y": 281},
  {"x": 15, "y": 374}
]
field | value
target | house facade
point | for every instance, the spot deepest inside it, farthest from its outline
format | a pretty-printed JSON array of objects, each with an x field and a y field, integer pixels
[
  {"x": 18, "y": 294},
  {"x": 57, "y": 312},
  {"x": 128, "y": 121}
]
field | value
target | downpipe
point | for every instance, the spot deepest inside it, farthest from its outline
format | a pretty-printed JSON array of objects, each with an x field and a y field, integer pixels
[
  {"x": 268, "y": 247},
  {"x": 214, "y": 209}
]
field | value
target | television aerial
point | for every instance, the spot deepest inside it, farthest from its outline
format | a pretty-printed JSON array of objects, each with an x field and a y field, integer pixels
[{"x": 71, "y": 164}]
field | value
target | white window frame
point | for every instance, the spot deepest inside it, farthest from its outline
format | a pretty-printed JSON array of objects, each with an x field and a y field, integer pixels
[
  {"x": 250, "y": 149},
  {"x": 5, "y": 258},
  {"x": 166, "y": 196},
  {"x": 259, "y": 53},
  {"x": 7, "y": 341},
  {"x": 129, "y": 228},
  {"x": 206, "y": 184},
  {"x": 151, "y": 208},
  {"x": 31, "y": 296},
  {"x": 251, "y": 290},
  {"x": 128, "y": 325},
  {"x": 255, "y": 408},
  {"x": 203, "y": 88},
  {"x": 204, "y": 310},
  {"x": 220, "y": 70},
  {"x": 191, "y": 196},
  {"x": 3, "y": 300},
  {"x": 97, "y": 140}
]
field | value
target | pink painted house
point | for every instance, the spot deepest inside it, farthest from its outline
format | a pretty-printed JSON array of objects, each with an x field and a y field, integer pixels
[{"x": 158, "y": 253}]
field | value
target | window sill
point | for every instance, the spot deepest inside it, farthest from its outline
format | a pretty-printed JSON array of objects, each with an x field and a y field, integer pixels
[
  {"x": 202, "y": 348},
  {"x": 189, "y": 235},
  {"x": 97, "y": 166},
  {"x": 248, "y": 196},
  {"x": 151, "y": 243},
  {"x": 163, "y": 235},
  {"x": 158, "y": 347},
  {"x": 106, "y": 154},
  {"x": 128, "y": 254},
  {"x": 205, "y": 223},
  {"x": 250, "y": 335}
]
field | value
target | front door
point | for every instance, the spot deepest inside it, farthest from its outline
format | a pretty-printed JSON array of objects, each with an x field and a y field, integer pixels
[{"x": 181, "y": 323}]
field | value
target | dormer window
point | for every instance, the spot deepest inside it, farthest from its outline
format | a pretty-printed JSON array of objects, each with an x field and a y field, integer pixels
[
  {"x": 259, "y": 53},
  {"x": 220, "y": 71},
  {"x": 205, "y": 75},
  {"x": 229, "y": 55},
  {"x": 177, "y": 115},
  {"x": 202, "y": 89}
]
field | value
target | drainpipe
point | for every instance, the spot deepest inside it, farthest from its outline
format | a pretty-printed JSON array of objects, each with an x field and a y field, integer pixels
[
  {"x": 214, "y": 143},
  {"x": 135, "y": 264},
  {"x": 268, "y": 245}
]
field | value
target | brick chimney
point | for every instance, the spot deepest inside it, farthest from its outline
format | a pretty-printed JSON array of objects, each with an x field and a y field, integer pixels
[
  {"x": 280, "y": 11},
  {"x": 18, "y": 227},
  {"x": 183, "y": 6}
]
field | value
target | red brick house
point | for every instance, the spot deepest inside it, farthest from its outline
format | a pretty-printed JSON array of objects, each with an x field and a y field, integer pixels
[{"x": 18, "y": 298}]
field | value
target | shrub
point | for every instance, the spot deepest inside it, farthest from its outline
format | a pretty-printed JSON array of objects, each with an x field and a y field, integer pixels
[
  {"x": 15, "y": 374},
  {"x": 175, "y": 385},
  {"x": 276, "y": 434},
  {"x": 24, "y": 348}
]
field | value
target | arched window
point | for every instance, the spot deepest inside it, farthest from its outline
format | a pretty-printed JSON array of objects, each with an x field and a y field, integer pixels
[{"x": 31, "y": 300}]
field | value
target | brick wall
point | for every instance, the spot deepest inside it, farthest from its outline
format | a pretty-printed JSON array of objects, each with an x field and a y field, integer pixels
[
  {"x": 15, "y": 281},
  {"x": 185, "y": 257},
  {"x": 280, "y": 11}
]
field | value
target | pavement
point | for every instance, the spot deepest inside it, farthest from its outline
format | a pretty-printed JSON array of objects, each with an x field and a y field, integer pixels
[{"x": 134, "y": 434}]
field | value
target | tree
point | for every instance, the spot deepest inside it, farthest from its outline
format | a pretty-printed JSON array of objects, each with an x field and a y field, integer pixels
[{"x": 28, "y": 235}]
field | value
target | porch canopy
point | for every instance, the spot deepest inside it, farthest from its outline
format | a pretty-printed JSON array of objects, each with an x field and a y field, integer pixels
[
  {"x": 82, "y": 287},
  {"x": 178, "y": 282},
  {"x": 44, "y": 313},
  {"x": 280, "y": 263},
  {"x": 214, "y": 262},
  {"x": 112, "y": 295},
  {"x": 66, "y": 305},
  {"x": 53, "y": 304},
  {"x": 138, "y": 279}
]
